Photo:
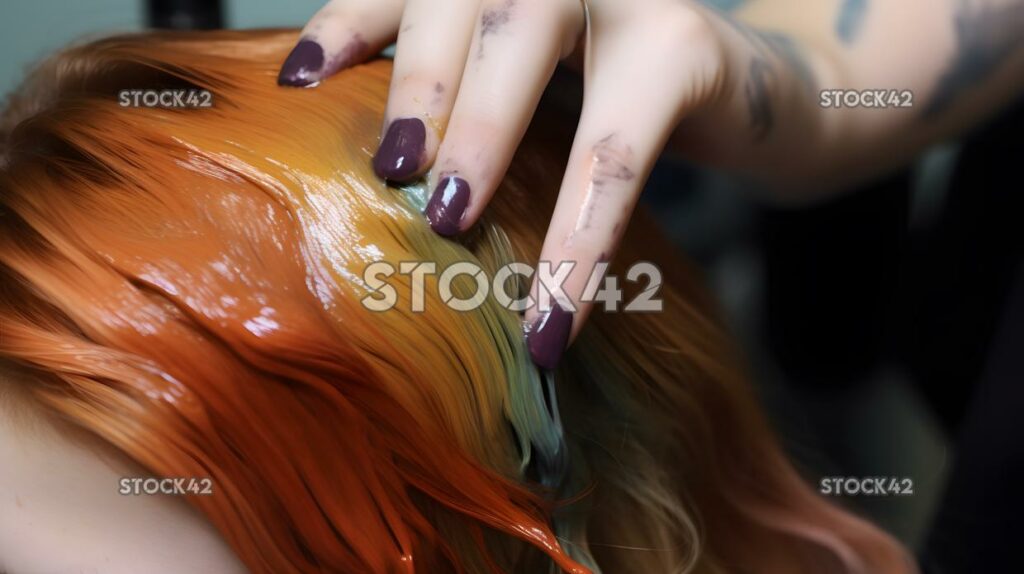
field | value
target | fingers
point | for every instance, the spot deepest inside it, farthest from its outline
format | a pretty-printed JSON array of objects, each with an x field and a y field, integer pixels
[
  {"x": 466, "y": 98},
  {"x": 629, "y": 111},
  {"x": 429, "y": 60},
  {"x": 341, "y": 34},
  {"x": 514, "y": 51}
]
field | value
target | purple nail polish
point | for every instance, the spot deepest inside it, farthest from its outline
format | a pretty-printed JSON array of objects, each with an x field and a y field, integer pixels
[
  {"x": 401, "y": 151},
  {"x": 302, "y": 66},
  {"x": 447, "y": 205},
  {"x": 547, "y": 337}
]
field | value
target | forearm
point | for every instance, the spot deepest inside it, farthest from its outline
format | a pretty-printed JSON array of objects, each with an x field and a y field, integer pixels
[{"x": 959, "y": 59}]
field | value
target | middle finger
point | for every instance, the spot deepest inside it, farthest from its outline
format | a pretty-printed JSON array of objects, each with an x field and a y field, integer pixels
[{"x": 515, "y": 49}]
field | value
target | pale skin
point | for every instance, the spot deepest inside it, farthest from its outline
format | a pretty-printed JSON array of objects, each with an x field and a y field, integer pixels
[
  {"x": 61, "y": 511},
  {"x": 711, "y": 84},
  {"x": 730, "y": 83}
]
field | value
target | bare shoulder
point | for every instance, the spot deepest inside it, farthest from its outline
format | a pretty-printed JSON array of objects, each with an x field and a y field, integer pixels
[{"x": 60, "y": 509}]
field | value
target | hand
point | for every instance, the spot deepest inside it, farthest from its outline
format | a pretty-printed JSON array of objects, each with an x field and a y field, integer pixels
[{"x": 474, "y": 71}]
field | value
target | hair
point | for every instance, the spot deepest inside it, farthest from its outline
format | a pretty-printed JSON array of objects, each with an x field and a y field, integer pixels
[{"x": 185, "y": 284}]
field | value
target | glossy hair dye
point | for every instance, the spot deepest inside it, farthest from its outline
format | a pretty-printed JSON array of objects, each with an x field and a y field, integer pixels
[{"x": 185, "y": 284}]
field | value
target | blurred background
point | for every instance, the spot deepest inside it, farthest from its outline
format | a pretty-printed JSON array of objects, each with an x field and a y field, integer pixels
[
  {"x": 867, "y": 321},
  {"x": 31, "y": 30}
]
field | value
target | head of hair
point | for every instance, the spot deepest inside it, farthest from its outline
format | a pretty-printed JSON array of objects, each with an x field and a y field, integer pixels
[{"x": 186, "y": 284}]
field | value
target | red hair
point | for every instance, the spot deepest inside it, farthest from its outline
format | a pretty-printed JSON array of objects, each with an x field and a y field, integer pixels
[{"x": 185, "y": 284}]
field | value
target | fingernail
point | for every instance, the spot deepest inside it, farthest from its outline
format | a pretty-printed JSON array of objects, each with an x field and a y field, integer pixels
[
  {"x": 447, "y": 205},
  {"x": 401, "y": 150},
  {"x": 302, "y": 66},
  {"x": 547, "y": 337}
]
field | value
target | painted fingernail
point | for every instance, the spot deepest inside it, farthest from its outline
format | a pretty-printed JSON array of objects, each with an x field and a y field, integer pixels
[
  {"x": 448, "y": 204},
  {"x": 302, "y": 66},
  {"x": 547, "y": 337},
  {"x": 401, "y": 150}
]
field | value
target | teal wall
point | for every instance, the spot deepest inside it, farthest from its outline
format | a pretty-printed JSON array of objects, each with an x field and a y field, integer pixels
[{"x": 33, "y": 29}]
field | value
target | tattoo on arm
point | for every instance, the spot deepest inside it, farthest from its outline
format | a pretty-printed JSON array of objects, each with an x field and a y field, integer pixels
[
  {"x": 850, "y": 19},
  {"x": 985, "y": 36},
  {"x": 762, "y": 118}
]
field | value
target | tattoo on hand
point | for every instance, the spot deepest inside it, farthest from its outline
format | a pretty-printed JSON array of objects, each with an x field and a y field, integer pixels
[
  {"x": 787, "y": 49},
  {"x": 782, "y": 47},
  {"x": 985, "y": 36}
]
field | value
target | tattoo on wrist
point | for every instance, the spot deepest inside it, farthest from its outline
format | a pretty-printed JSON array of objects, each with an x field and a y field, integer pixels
[{"x": 985, "y": 36}]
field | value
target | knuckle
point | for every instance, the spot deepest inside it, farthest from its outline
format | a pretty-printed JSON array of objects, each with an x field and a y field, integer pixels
[
  {"x": 683, "y": 26},
  {"x": 566, "y": 13},
  {"x": 690, "y": 36},
  {"x": 420, "y": 92},
  {"x": 537, "y": 13},
  {"x": 472, "y": 141},
  {"x": 414, "y": 81}
]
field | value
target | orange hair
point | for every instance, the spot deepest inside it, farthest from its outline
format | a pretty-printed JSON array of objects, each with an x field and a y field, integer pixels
[{"x": 186, "y": 285}]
